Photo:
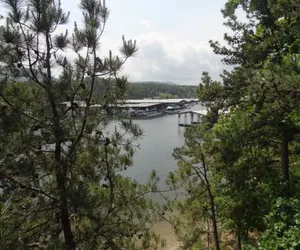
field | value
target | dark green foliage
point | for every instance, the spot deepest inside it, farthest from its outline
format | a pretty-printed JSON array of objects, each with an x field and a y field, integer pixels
[
  {"x": 137, "y": 90},
  {"x": 160, "y": 90},
  {"x": 252, "y": 149},
  {"x": 195, "y": 213},
  {"x": 61, "y": 168},
  {"x": 283, "y": 227}
]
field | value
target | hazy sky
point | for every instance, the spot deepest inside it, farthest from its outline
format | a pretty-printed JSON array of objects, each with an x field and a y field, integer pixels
[{"x": 172, "y": 36}]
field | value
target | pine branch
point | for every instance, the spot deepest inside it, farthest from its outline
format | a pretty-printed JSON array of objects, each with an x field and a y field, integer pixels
[{"x": 40, "y": 191}]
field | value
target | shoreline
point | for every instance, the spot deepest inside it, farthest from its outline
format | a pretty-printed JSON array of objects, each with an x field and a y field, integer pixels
[{"x": 165, "y": 230}]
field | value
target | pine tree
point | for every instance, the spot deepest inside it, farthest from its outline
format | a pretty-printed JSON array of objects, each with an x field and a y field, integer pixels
[
  {"x": 198, "y": 207},
  {"x": 265, "y": 51},
  {"x": 61, "y": 169}
]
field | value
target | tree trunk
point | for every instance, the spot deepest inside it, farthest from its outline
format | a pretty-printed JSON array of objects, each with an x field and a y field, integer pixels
[
  {"x": 64, "y": 209},
  {"x": 214, "y": 219},
  {"x": 208, "y": 235},
  {"x": 285, "y": 164},
  {"x": 239, "y": 241},
  {"x": 60, "y": 168},
  {"x": 212, "y": 205},
  {"x": 61, "y": 179},
  {"x": 66, "y": 226}
]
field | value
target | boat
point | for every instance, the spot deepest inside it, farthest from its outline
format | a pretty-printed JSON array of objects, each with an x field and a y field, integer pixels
[
  {"x": 152, "y": 113},
  {"x": 172, "y": 109},
  {"x": 187, "y": 106},
  {"x": 146, "y": 113}
]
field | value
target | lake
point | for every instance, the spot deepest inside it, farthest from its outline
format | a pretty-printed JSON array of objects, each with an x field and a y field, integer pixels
[{"x": 161, "y": 136}]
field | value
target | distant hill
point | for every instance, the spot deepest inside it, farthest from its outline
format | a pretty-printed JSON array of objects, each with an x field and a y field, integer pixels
[
  {"x": 147, "y": 89},
  {"x": 155, "y": 82},
  {"x": 152, "y": 89}
]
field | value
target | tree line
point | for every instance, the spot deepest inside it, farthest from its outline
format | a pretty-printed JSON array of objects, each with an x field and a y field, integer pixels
[
  {"x": 150, "y": 90},
  {"x": 162, "y": 90}
]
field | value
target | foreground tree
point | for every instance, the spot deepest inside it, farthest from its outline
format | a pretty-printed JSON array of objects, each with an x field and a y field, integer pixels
[
  {"x": 283, "y": 229},
  {"x": 60, "y": 173},
  {"x": 265, "y": 51},
  {"x": 197, "y": 219},
  {"x": 254, "y": 149}
]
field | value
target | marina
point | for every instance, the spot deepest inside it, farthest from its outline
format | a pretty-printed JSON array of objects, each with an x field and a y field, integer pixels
[
  {"x": 149, "y": 108},
  {"x": 141, "y": 108}
]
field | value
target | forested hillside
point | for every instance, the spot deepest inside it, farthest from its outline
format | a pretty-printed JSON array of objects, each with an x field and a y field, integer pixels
[{"x": 139, "y": 90}]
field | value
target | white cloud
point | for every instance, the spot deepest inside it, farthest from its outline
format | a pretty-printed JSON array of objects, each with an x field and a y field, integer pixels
[
  {"x": 146, "y": 23},
  {"x": 177, "y": 50},
  {"x": 165, "y": 58}
]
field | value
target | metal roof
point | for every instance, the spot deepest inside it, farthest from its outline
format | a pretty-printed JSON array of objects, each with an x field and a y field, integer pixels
[
  {"x": 137, "y": 102},
  {"x": 200, "y": 112},
  {"x": 160, "y": 100},
  {"x": 203, "y": 112},
  {"x": 137, "y": 105}
]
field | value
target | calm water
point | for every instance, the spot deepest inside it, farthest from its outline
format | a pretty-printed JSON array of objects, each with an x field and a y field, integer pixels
[{"x": 161, "y": 136}]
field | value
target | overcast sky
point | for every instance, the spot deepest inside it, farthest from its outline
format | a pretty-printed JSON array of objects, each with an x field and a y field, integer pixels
[{"x": 172, "y": 36}]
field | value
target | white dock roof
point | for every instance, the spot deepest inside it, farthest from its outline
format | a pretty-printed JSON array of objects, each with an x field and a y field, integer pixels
[
  {"x": 160, "y": 100},
  {"x": 200, "y": 112},
  {"x": 137, "y": 105}
]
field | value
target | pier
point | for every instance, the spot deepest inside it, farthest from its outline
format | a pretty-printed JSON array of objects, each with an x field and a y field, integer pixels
[{"x": 191, "y": 117}]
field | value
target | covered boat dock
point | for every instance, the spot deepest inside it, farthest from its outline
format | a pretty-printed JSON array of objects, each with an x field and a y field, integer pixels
[{"x": 191, "y": 117}]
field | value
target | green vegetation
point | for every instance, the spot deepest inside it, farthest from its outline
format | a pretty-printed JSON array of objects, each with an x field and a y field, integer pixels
[
  {"x": 241, "y": 169},
  {"x": 160, "y": 90},
  {"x": 150, "y": 90},
  {"x": 61, "y": 181},
  {"x": 60, "y": 175}
]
